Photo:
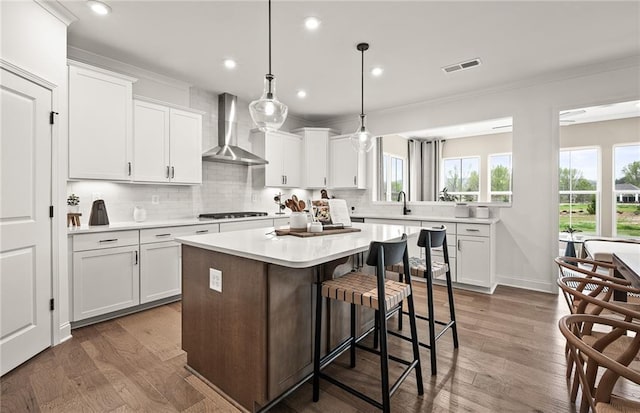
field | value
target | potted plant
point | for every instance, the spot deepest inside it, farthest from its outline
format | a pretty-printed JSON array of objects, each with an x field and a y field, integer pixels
[
  {"x": 570, "y": 250},
  {"x": 570, "y": 230},
  {"x": 446, "y": 196},
  {"x": 73, "y": 203}
]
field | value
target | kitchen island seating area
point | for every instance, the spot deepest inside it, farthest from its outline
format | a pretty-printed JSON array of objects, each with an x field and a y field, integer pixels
[{"x": 385, "y": 297}]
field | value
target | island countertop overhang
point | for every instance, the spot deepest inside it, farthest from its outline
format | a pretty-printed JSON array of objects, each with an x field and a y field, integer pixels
[{"x": 296, "y": 252}]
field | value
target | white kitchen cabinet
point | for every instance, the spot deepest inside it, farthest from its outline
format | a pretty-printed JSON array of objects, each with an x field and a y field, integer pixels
[
  {"x": 160, "y": 270},
  {"x": 283, "y": 151},
  {"x": 476, "y": 255},
  {"x": 346, "y": 165},
  {"x": 100, "y": 124},
  {"x": 105, "y": 280},
  {"x": 167, "y": 144},
  {"x": 315, "y": 156}
]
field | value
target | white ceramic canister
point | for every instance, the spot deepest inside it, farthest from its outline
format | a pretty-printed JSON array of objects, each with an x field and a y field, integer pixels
[
  {"x": 482, "y": 212},
  {"x": 139, "y": 214},
  {"x": 298, "y": 221}
]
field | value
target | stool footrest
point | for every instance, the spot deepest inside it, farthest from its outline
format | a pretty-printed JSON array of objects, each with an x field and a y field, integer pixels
[{"x": 393, "y": 358}]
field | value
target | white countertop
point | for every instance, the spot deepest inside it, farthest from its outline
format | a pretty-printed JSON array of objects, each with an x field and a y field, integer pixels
[
  {"x": 296, "y": 252},
  {"x": 410, "y": 217},
  {"x": 121, "y": 226}
]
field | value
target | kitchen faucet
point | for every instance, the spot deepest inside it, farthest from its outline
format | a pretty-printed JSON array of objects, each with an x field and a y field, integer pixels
[{"x": 405, "y": 211}]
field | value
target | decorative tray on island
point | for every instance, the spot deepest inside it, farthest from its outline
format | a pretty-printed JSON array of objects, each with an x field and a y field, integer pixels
[{"x": 305, "y": 234}]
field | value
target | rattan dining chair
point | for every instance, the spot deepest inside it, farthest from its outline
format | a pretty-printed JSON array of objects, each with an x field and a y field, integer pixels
[{"x": 589, "y": 357}]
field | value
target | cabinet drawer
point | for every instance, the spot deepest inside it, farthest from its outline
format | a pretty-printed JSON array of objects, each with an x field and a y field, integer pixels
[
  {"x": 451, "y": 227},
  {"x": 148, "y": 236},
  {"x": 83, "y": 242},
  {"x": 475, "y": 230},
  {"x": 392, "y": 221},
  {"x": 238, "y": 225},
  {"x": 279, "y": 222}
]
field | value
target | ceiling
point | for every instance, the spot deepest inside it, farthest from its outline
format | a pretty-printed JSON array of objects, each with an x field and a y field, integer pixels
[{"x": 411, "y": 40}]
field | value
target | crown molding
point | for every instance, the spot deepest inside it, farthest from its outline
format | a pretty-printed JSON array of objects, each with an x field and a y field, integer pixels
[
  {"x": 26, "y": 74},
  {"x": 58, "y": 11}
]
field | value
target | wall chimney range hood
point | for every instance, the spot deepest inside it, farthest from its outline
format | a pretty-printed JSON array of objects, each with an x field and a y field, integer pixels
[{"x": 228, "y": 150}]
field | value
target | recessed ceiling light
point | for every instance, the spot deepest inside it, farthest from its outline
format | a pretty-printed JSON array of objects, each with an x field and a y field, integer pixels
[
  {"x": 99, "y": 7},
  {"x": 312, "y": 23},
  {"x": 377, "y": 71},
  {"x": 302, "y": 94},
  {"x": 229, "y": 63}
]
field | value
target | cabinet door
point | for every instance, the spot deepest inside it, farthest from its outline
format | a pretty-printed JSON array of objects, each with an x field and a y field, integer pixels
[
  {"x": 473, "y": 261},
  {"x": 105, "y": 280},
  {"x": 274, "y": 153},
  {"x": 316, "y": 166},
  {"x": 292, "y": 162},
  {"x": 185, "y": 147},
  {"x": 160, "y": 270},
  {"x": 150, "y": 142},
  {"x": 100, "y": 126},
  {"x": 343, "y": 161}
]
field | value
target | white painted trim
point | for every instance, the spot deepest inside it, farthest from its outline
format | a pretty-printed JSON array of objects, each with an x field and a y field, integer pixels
[
  {"x": 306, "y": 128},
  {"x": 17, "y": 70},
  {"x": 86, "y": 57},
  {"x": 58, "y": 11},
  {"x": 168, "y": 104},
  {"x": 56, "y": 182},
  {"x": 544, "y": 287},
  {"x": 64, "y": 333},
  {"x": 101, "y": 70}
]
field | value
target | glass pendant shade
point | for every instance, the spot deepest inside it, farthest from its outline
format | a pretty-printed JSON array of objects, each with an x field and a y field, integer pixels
[
  {"x": 268, "y": 113},
  {"x": 362, "y": 140}
]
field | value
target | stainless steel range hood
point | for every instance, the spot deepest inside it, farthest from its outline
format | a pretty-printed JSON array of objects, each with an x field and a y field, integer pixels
[{"x": 228, "y": 150}]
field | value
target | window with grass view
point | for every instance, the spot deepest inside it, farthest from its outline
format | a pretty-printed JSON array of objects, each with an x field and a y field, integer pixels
[
  {"x": 579, "y": 200},
  {"x": 626, "y": 164},
  {"x": 461, "y": 177},
  {"x": 500, "y": 177},
  {"x": 393, "y": 176}
]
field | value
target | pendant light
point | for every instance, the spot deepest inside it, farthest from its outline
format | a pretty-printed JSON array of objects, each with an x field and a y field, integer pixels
[
  {"x": 362, "y": 140},
  {"x": 268, "y": 113}
]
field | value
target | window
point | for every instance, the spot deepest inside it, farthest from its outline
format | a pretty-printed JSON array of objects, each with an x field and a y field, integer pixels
[
  {"x": 578, "y": 182},
  {"x": 500, "y": 177},
  {"x": 393, "y": 176},
  {"x": 626, "y": 164},
  {"x": 461, "y": 177}
]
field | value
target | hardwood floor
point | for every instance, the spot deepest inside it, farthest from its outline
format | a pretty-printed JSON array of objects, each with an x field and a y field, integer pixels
[{"x": 511, "y": 359}]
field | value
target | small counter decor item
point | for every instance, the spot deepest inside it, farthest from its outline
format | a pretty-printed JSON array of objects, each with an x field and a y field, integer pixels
[
  {"x": 139, "y": 214},
  {"x": 278, "y": 200},
  {"x": 98, "y": 213},
  {"x": 299, "y": 217},
  {"x": 73, "y": 203},
  {"x": 461, "y": 211},
  {"x": 482, "y": 212}
]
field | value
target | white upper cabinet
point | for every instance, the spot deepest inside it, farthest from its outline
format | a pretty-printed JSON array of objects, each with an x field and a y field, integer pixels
[
  {"x": 283, "y": 151},
  {"x": 315, "y": 156},
  {"x": 346, "y": 165},
  {"x": 167, "y": 144},
  {"x": 100, "y": 123}
]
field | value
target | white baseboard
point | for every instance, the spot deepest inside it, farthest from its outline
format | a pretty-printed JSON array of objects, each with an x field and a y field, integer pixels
[
  {"x": 64, "y": 333},
  {"x": 545, "y": 287}
]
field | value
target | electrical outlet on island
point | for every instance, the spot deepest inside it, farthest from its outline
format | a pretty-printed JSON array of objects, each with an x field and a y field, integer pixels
[{"x": 215, "y": 280}]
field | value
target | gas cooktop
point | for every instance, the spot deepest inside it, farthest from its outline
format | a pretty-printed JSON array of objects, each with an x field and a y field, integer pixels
[{"x": 226, "y": 215}]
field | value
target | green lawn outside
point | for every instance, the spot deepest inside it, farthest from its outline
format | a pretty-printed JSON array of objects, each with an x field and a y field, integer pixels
[{"x": 628, "y": 219}]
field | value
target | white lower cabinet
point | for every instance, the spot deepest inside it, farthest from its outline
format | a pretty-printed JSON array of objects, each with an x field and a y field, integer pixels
[
  {"x": 105, "y": 280},
  {"x": 160, "y": 270},
  {"x": 474, "y": 265}
]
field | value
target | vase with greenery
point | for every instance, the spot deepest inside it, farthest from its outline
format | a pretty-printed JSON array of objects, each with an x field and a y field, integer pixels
[
  {"x": 446, "y": 196},
  {"x": 73, "y": 203},
  {"x": 571, "y": 230}
]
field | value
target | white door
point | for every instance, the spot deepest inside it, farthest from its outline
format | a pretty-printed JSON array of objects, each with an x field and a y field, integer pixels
[
  {"x": 316, "y": 145},
  {"x": 291, "y": 167},
  {"x": 474, "y": 265},
  {"x": 274, "y": 153},
  {"x": 186, "y": 147},
  {"x": 25, "y": 226},
  {"x": 344, "y": 164},
  {"x": 150, "y": 142}
]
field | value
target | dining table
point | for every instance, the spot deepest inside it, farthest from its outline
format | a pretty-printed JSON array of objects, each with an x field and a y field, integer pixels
[{"x": 248, "y": 306}]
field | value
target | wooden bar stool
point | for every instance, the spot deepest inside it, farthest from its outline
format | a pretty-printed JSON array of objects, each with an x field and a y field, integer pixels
[
  {"x": 432, "y": 238},
  {"x": 377, "y": 293}
]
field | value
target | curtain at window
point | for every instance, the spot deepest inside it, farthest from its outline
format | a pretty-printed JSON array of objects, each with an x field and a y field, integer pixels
[{"x": 424, "y": 168}]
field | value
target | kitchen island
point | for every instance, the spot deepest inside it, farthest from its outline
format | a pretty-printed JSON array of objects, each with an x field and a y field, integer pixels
[{"x": 247, "y": 306}]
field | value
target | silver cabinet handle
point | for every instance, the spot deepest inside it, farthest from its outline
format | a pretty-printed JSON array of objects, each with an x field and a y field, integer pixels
[
  {"x": 355, "y": 180},
  {"x": 129, "y": 167},
  {"x": 109, "y": 240},
  {"x": 282, "y": 179},
  {"x": 173, "y": 172},
  {"x": 472, "y": 230},
  {"x": 459, "y": 246},
  {"x": 136, "y": 263},
  {"x": 167, "y": 171},
  {"x": 325, "y": 181},
  {"x": 163, "y": 235},
  {"x": 285, "y": 179},
  {"x": 202, "y": 231}
]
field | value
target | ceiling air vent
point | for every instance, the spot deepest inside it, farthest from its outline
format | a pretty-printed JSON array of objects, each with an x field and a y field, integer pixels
[{"x": 462, "y": 66}]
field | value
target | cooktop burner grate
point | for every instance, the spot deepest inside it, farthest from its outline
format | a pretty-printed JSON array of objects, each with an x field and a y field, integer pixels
[{"x": 227, "y": 215}]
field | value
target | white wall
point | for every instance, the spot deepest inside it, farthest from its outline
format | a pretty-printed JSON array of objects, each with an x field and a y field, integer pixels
[
  {"x": 35, "y": 39},
  {"x": 527, "y": 233}
]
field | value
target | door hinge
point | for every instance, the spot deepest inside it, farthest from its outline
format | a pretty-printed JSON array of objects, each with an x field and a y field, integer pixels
[
  {"x": 50, "y": 211},
  {"x": 51, "y": 307},
  {"x": 52, "y": 119}
]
